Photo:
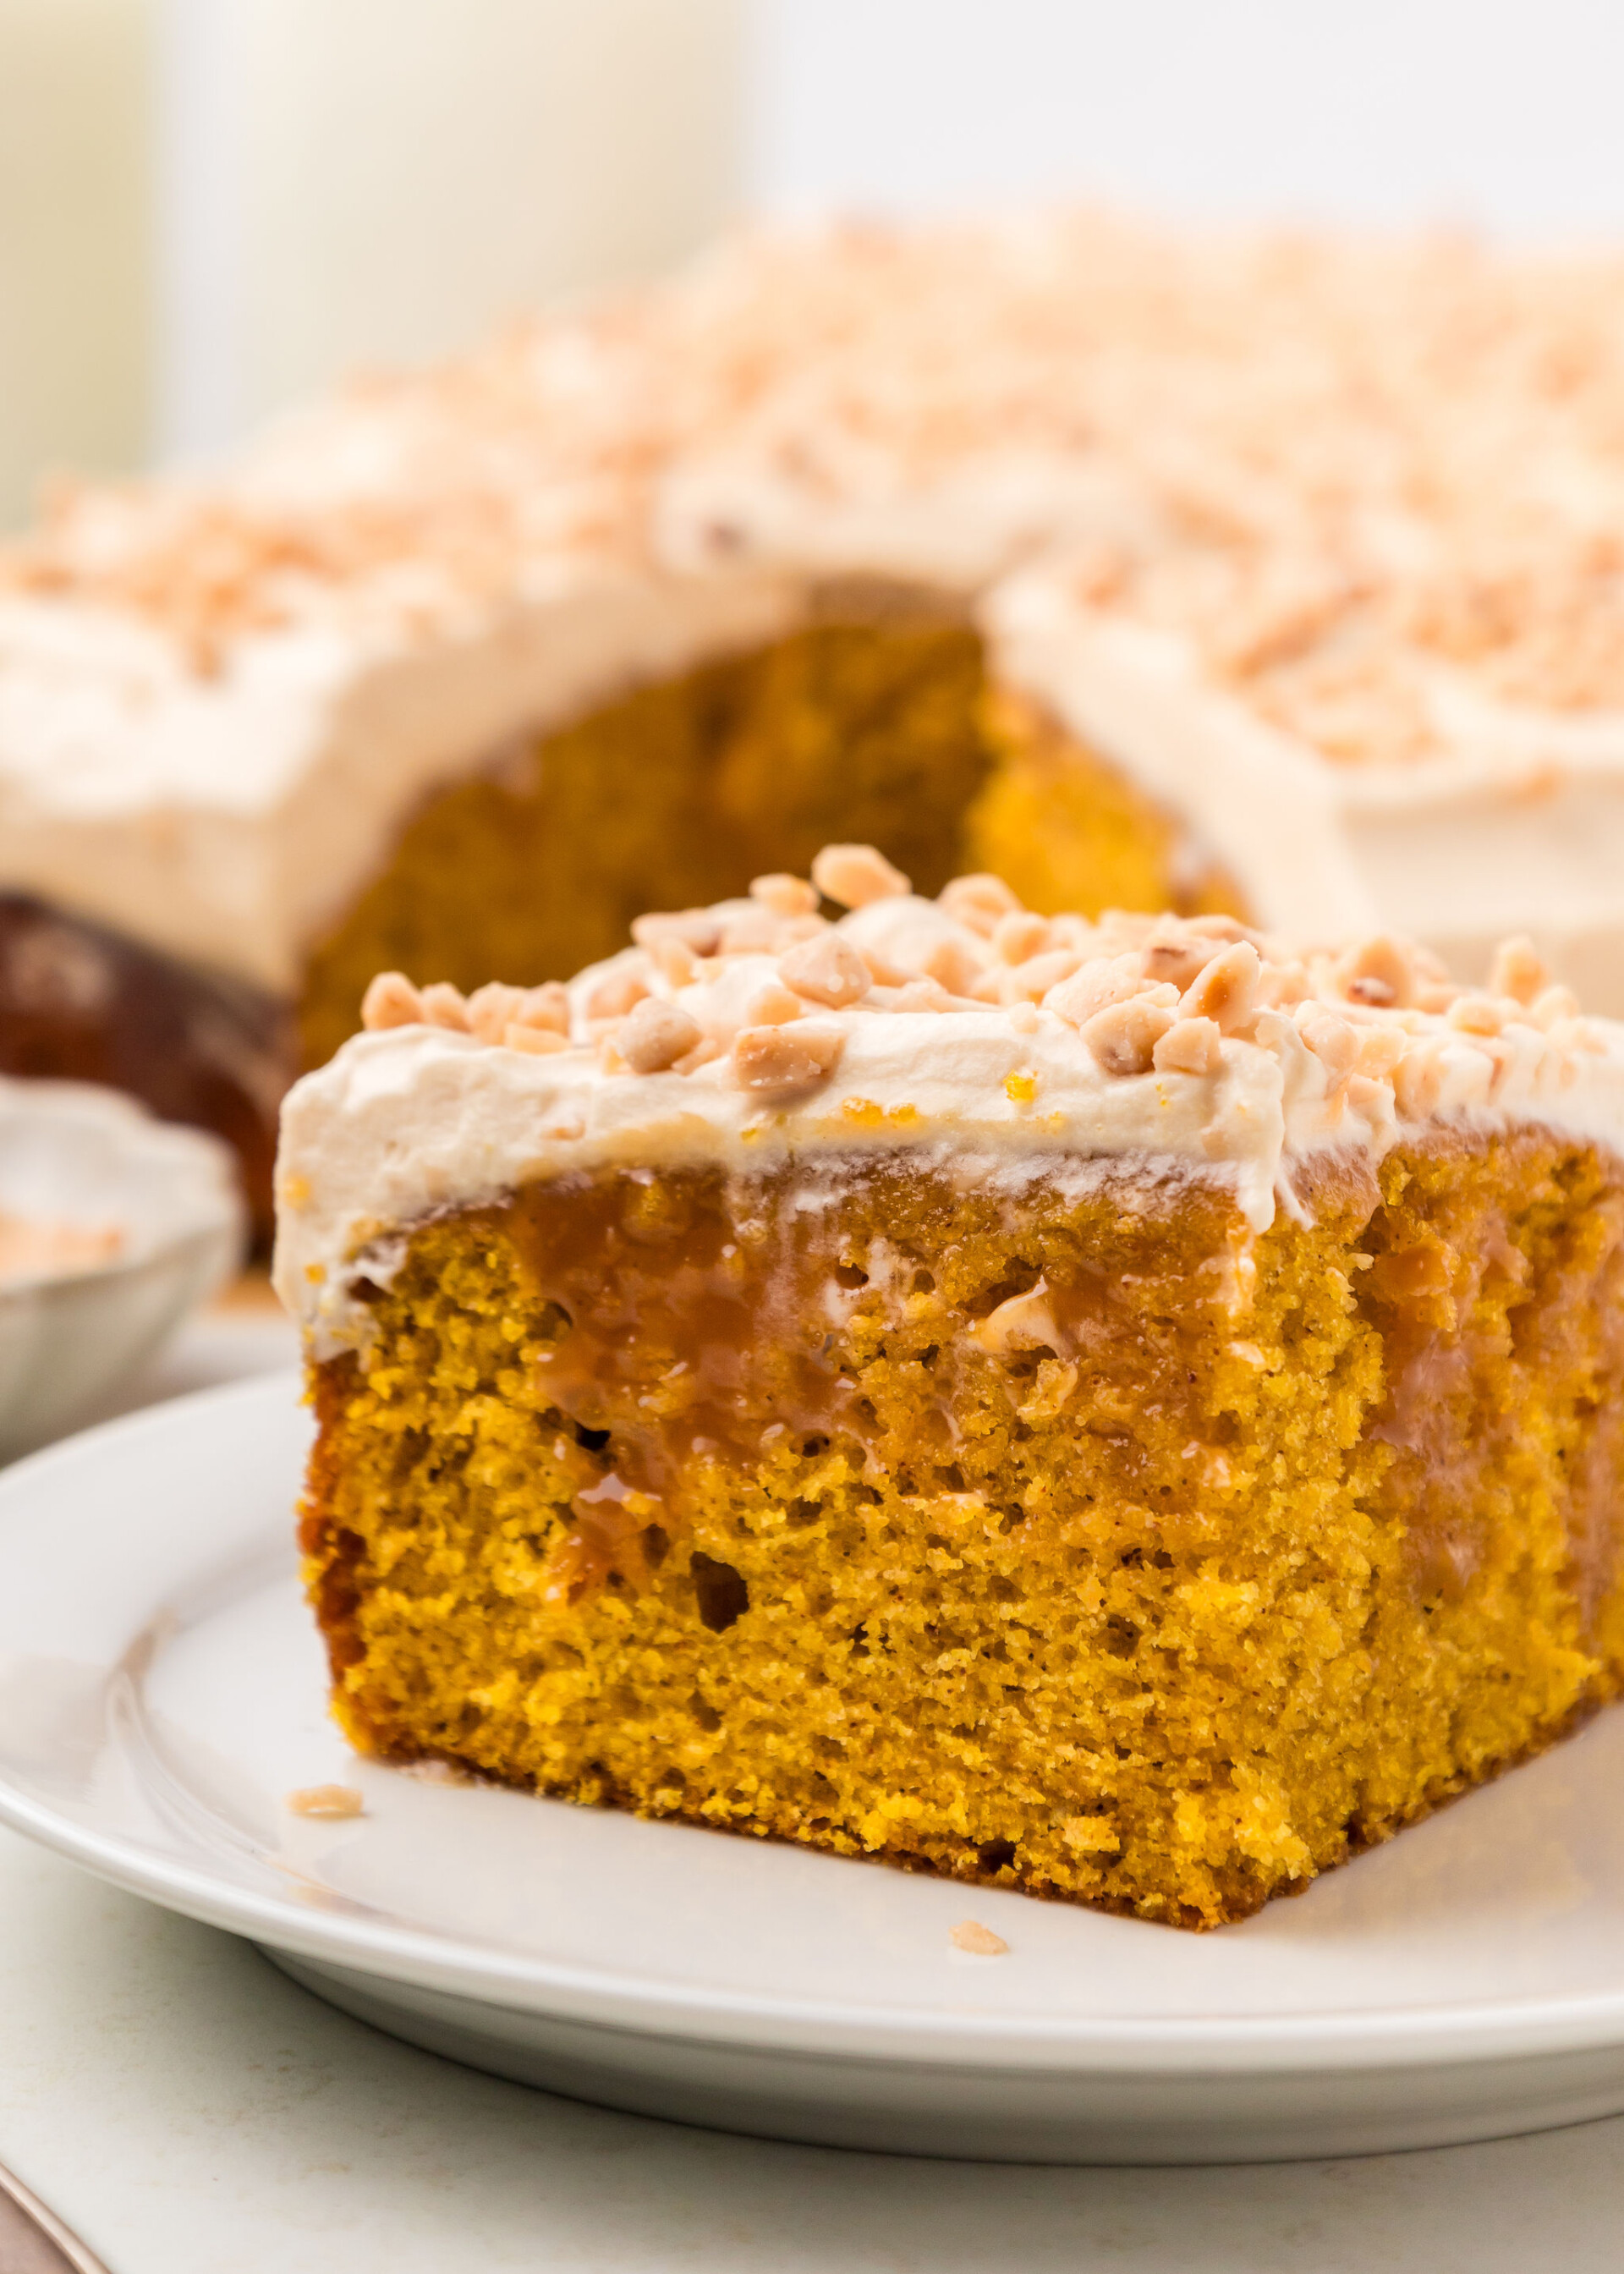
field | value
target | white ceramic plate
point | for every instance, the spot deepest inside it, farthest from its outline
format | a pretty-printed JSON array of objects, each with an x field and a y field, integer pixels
[{"x": 161, "y": 1690}]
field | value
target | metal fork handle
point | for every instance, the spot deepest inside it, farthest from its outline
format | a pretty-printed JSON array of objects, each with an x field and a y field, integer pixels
[{"x": 32, "y": 2240}]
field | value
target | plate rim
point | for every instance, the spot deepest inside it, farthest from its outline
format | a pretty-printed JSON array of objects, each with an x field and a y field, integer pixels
[{"x": 1407, "y": 2035}]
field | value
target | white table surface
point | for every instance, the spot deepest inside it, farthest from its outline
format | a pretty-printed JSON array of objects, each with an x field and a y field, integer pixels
[{"x": 188, "y": 2111}]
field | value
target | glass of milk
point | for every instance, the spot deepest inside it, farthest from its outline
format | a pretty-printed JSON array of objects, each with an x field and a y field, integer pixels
[{"x": 209, "y": 208}]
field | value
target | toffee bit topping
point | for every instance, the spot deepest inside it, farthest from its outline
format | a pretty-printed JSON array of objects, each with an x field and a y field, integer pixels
[
  {"x": 1379, "y": 971},
  {"x": 1030, "y": 981},
  {"x": 1476, "y": 1014},
  {"x": 677, "y": 965},
  {"x": 1332, "y": 1040},
  {"x": 546, "y": 1005},
  {"x": 761, "y": 995},
  {"x": 1189, "y": 1046},
  {"x": 391, "y": 1001},
  {"x": 536, "y": 1042},
  {"x": 1518, "y": 970},
  {"x": 619, "y": 990},
  {"x": 1177, "y": 961},
  {"x": 697, "y": 930},
  {"x": 1018, "y": 937},
  {"x": 443, "y": 1006},
  {"x": 1380, "y": 1049},
  {"x": 981, "y": 902},
  {"x": 753, "y": 931},
  {"x": 1553, "y": 1005},
  {"x": 827, "y": 971},
  {"x": 773, "y": 1004},
  {"x": 1095, "y": 988},
  {"x": 854, "y": 875},
  {"x": 1123, "y": 1038},
  {"x": 1225, "y": 990},
  {"x": 655, "y": 1034},
  {"x": 334, "y": 1801},
  {"x": 491, "y": 1010},
  {"x": 785, "y": 895},
  {"x": 1418, "y": 1082},
  {"x": 785, "y": 1058}
]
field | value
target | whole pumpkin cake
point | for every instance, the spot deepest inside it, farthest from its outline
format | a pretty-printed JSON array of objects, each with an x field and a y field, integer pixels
[
  {"x": 1118, "y": 1409},
  {"x": 1276, "y": 574}
]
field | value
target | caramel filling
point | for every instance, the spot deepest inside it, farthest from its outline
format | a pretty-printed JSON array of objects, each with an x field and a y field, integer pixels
[
  {"x": 1473, "y": 1315},
  {"x": 692, "y": 1321},
  {"x": 1067, "y": 1536}
]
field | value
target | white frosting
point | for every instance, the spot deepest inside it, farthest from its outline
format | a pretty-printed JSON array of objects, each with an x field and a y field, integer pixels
[
  {"x": 220, "y": 701},
  {"x": 229, "y": 819},
  {"x": 958, "y": 528},
  {"x": 419, "y": 1118},
  {"x": 1519, "y": 826}
]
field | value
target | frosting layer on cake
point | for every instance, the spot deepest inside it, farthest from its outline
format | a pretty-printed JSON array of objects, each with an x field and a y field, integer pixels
[{"x": 1005, "y": 1045}]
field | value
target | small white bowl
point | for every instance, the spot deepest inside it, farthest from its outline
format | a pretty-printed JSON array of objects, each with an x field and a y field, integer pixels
[{"x": 71, "y": 1151}]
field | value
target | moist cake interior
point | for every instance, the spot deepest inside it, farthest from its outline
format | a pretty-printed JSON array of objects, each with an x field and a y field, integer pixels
[
  {"x": 877, "y": 729},
  {"x": 1068, "y": 1541}
]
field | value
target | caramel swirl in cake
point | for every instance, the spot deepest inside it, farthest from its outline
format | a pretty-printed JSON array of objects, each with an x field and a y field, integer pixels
[
  {"x": 660, "y": 1297},
  {"x": 1078, "y": 1540}
]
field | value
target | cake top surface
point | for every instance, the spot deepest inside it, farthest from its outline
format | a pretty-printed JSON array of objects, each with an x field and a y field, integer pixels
[
  {"x": 1346, "y": 512},
  {"x": 1337, "y": 468},
  {"x": 990, "y": 1038}
]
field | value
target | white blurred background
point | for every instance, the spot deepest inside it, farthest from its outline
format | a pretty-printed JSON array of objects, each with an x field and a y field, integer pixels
[
  {"x": 1506, "y": 113},
  {"x": 209, "y": 206}
]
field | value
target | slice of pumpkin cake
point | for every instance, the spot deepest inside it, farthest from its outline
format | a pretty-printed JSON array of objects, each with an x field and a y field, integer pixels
[{"x": 1119, "y": 1409}]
